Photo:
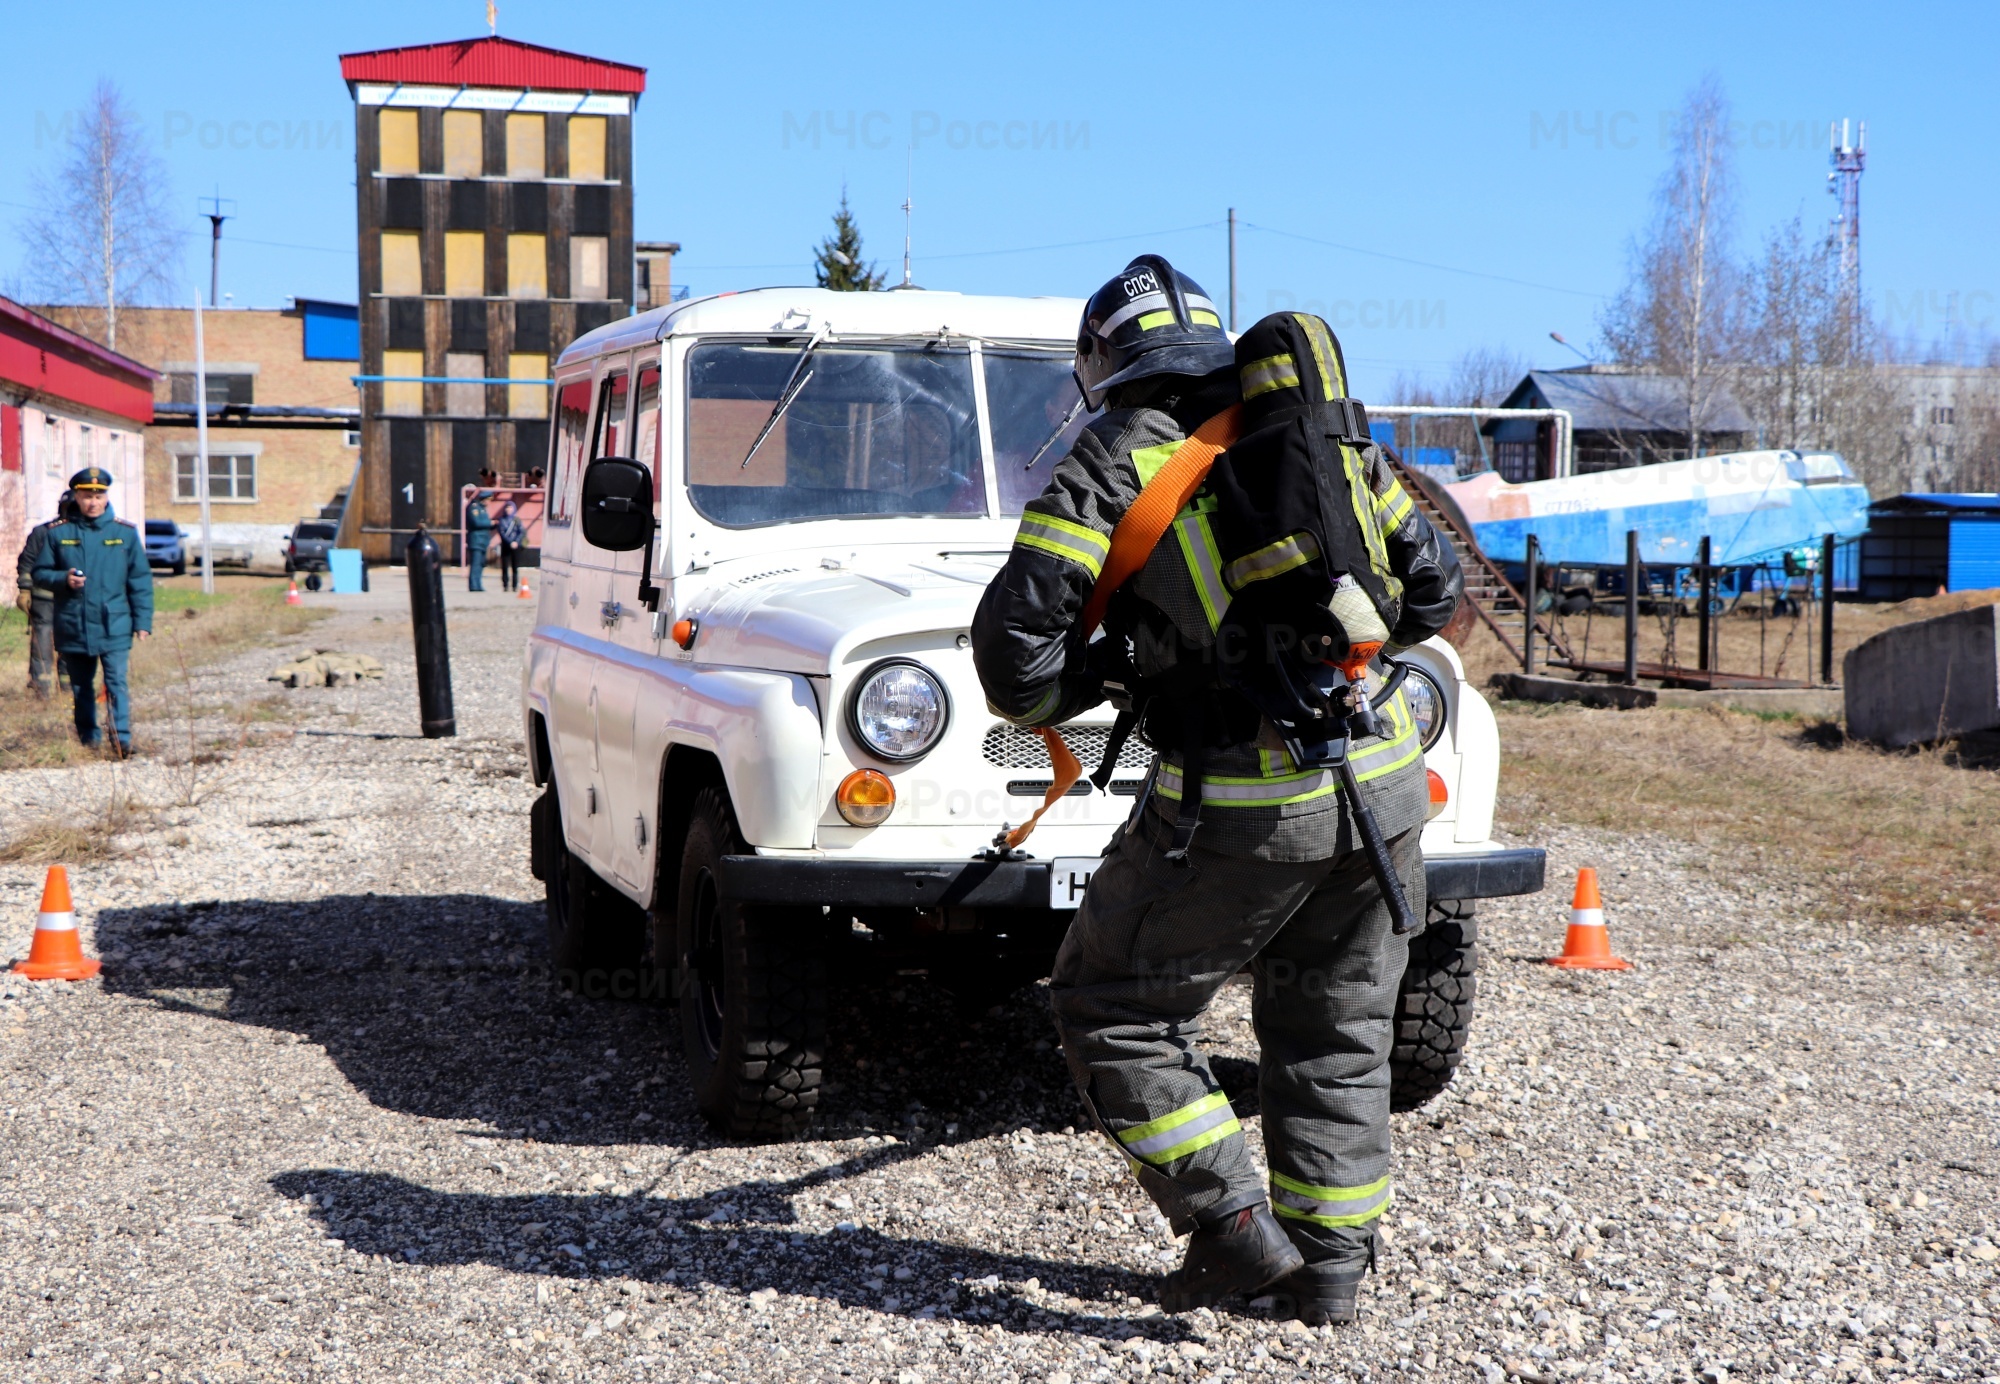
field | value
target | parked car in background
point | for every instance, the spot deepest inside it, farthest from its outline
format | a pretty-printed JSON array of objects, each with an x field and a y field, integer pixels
[
  {"x": 164, "y": 547},
  {"x": 305, "y": 550}
]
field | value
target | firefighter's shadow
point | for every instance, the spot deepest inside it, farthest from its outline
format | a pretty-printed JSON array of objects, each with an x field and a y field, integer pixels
[
  {"x": 443, "y": 1006},
  {"x": 745, "y": 1238}
]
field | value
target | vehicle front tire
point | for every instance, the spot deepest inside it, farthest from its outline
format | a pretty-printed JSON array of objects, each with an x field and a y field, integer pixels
[
  {"x": 1434, "y": 1007},
  {"x": 181, "y": 568},
  {"x": 752, "y": 992},
  {"x": 595, "y": 933}
]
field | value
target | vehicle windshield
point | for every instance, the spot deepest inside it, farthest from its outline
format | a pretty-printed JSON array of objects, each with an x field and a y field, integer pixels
[
  {"x": 875, "y": 431},
  {"x": 1029, "y": 393},
  {"x": 161, "y": 528},
  {"x": 315, "y": 531}
]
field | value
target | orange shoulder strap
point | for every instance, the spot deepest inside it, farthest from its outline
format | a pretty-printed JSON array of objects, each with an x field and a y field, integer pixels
[
  {"x": 1132, "y": 542},
  {"x": 1164, "y": 496}
]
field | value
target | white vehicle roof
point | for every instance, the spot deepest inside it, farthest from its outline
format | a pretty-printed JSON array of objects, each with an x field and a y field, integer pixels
[{"x": 896, "y": 312}]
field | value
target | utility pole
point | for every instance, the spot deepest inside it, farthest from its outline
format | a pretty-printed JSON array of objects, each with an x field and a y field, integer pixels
[
  {"x": 1232, "y": 269},
  {"x": 201, "y": 452},
  {"x": 216, "y": 216}
]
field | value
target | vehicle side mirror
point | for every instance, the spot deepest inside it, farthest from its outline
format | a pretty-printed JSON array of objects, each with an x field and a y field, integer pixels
[{"x": 617, "y": 505}]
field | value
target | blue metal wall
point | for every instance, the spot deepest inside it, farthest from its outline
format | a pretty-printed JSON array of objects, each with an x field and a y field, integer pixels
[{"x": 1975, "y": 554}]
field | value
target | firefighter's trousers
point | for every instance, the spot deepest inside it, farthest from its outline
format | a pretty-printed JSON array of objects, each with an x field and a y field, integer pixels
[{"x": 1148, "y": 950}]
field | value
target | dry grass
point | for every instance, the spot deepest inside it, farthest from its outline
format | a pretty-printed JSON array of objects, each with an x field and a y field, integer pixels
[
  {"x": 82, "y": 833},
  {"x": 191, "y": 630},
  {"x": 1892, "y": 836}
]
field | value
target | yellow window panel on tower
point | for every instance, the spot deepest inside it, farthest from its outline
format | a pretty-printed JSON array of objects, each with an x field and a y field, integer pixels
[
  {"x": 527, "y": 266},
  {"x": 528, "y": 400},
  {"x": 526, "y": 146},
  {"x": 465, "y": 264},
  {"x": 396, "y": 141},
  {"x": 464, "y": 144},
  {"x": 402, "y": 264},
  {"x": 404, "y": 399},
  {"x": 589, "y": 266},
  {"x": 586, "y": 147}
]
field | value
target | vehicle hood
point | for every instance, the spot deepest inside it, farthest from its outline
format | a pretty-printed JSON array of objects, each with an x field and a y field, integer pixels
[{"x": 806, "y": 615}]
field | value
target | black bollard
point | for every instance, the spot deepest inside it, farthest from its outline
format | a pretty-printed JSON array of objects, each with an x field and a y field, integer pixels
[{"x": 426, "y": 571}]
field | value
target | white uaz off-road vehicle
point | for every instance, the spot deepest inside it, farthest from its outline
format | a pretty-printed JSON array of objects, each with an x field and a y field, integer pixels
[{"x": 758, "y": 725}]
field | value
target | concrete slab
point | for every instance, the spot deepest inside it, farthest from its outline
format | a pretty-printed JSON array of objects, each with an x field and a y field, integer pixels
[{"x": 1929, "y": 680}]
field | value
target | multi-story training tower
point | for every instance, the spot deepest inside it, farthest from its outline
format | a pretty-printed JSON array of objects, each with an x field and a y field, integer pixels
[{"x": 493, "y": 195}]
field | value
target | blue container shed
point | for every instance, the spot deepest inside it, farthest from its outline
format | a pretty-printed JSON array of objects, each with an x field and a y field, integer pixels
[{"x": 1916, "y": 544}]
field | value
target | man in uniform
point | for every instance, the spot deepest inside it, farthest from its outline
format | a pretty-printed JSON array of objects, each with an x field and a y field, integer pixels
[
  {"x": 94, "y": 565},
  {"x": 478, "y": 538},
  {"x": 1274, "y": 876},
  {"x": 39, "y": 605}
]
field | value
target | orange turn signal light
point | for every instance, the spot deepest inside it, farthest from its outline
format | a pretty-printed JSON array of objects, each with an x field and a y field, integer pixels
[
  {"x": 1440, "y": 795},
  {"x": 684, "y": 631},
  {"x": 865, "y": 798}
]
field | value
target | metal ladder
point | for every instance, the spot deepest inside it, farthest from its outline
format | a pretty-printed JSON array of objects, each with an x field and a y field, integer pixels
[{"x": 1494, "y": 599}]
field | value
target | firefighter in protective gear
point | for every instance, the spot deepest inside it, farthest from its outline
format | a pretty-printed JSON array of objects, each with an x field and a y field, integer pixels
[{"x": 1274, "y": 877}]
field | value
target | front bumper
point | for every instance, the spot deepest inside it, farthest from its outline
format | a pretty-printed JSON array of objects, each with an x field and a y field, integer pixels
[{"x": 1025, "y": 883}]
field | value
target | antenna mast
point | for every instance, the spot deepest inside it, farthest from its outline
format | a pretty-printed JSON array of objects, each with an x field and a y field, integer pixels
[
  {"x": 908, "y": 176},
  {"x": 216, "y": 216},
  {"x": 1848, "y": 160}
]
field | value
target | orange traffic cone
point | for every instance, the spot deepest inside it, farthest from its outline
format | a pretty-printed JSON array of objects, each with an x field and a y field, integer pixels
[
  {"x": 56, "y": 954},
  {"x": 1588, "y": 946},
  {"x": 524, "y": 593},
  {"x": 292, "y": 596}
]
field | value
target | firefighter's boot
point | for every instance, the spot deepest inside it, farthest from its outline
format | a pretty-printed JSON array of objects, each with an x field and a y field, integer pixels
[
  {"x": 1320, "y": 1293},
  {"x": 1242, "y": 1252}
]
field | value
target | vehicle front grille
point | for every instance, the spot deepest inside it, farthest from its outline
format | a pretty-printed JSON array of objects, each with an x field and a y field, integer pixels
[{"x": 1011, "y": 747}]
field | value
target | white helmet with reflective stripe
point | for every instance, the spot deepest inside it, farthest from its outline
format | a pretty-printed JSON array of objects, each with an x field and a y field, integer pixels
[{"x": 1149, "y": 320}]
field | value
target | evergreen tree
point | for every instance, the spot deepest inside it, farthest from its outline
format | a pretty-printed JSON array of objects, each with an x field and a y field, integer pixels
[{"x": 837, "y": 263}]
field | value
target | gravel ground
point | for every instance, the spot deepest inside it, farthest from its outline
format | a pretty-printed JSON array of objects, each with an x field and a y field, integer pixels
[{"x": 324, "y": 1117}]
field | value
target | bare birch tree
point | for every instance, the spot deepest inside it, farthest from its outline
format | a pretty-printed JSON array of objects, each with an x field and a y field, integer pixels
[
  {"x": 100, "y": 232},
  {"x": 1678, "y": 313}
]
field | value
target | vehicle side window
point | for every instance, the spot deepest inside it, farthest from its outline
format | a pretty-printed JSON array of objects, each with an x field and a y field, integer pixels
[
  {"x": 612, "y": 435},
  {"x": 646, "y": 430},
  {"x": 572, "y": 417}
]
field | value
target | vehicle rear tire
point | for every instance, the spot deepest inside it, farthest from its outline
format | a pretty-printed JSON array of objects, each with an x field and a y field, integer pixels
[
  {"x": 1434, "y": 1007},
  {"x": 752, "y": 992},
  {"x": 595, "y": 933}
]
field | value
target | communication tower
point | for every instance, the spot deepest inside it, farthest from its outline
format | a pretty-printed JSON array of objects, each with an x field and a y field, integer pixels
[{"x": 1844, "y": 182}]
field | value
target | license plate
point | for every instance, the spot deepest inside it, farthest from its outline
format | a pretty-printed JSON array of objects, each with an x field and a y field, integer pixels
[{"x": 1069, "y": 876}]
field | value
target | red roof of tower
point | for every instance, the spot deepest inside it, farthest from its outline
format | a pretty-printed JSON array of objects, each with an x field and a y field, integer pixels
[{"x": 492, "y": 62}]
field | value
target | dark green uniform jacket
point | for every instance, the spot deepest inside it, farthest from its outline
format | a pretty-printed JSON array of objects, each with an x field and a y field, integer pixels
[{"x": 117, "y": 595}]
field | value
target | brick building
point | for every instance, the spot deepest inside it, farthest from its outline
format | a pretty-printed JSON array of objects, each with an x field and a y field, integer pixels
[
  {"x": 494, "y": 209},
  {"x": 283, "y": 423},
  {"x": 65, "y": 403}
]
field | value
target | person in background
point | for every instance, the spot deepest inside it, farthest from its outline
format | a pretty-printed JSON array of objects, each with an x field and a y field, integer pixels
[
  {"x": 478, "y": 538},
  {"x": 536, "y": 477},
  {"x": 95, "y": 565},
  {"x": 40, "y": 606},
  {"x": 511, "y": 535}
]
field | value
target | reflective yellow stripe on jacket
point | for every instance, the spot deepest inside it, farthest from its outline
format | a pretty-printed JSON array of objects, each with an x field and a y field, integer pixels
[
  {"x": 1282, "y": 789},
  {"x": 1065, "y": 538}
]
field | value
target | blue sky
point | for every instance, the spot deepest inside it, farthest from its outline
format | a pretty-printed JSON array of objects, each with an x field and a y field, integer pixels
[{"x": 1516, "y": 143}]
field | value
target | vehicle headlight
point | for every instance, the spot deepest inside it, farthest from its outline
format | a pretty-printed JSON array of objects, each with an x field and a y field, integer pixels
[
  {"x": 899, "y": 711},
  {"x": 1427, "y": 705}
]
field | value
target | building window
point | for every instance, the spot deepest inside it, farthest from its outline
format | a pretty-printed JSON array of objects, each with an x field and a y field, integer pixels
[
  {"x": 401, "y": 394},
  {"x": 232, "y": 478},
  {"x": 1944, "y": 414},
  {"x": 589, "y": 266},
  {"x": 396, "y": 141},
  {"x": 465, "y": 400},
  {"x": 526, "y": 144},
  {"x": 464, "y": 144},
  {"x": 528, "y": 400},
  {"x": 223, "y": 389},
  {"x": 465, "y": 264},
  {"x": 527, "y": 266},
  {"x": 586, "y": 147},
  {"x": 402, "y": 264}
]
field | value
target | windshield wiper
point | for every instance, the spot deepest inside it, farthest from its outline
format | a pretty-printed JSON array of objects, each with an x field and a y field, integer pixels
[
  {"x": 1061, "y": 428},
  {"x": 794, "y": 386}
]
